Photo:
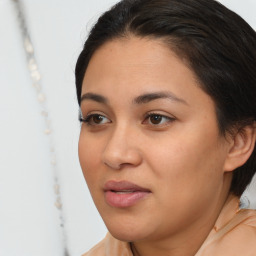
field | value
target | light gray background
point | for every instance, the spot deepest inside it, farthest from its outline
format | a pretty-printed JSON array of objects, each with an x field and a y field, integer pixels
[{"x": 29, "y": 224}]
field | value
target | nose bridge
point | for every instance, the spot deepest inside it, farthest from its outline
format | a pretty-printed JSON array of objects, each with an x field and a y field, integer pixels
[{"x": 121, "y": 147}]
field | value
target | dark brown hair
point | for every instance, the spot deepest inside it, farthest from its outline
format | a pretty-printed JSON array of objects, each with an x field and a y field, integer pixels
[{"x": 218, "y": 45}]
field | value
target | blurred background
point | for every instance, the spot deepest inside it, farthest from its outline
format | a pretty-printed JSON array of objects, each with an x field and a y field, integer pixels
[{"x": 45, "y": 207}]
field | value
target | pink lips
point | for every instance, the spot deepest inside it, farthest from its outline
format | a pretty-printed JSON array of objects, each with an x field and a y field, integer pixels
[{"x": 123, "y": 194}]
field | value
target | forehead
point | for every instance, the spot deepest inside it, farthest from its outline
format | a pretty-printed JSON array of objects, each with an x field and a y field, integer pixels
[
  {"x": 137, "y": 59},
  {"x": 126, "y": 68}
]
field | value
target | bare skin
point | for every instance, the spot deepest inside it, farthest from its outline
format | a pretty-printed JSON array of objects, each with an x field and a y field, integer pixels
[{"x": 149, "y": 123}]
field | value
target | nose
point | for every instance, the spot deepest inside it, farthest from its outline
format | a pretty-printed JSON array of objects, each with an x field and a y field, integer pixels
[{"x": 122, "y": 149}]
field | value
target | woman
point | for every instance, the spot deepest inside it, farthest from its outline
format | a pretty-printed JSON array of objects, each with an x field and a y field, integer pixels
[{"x": 167, "y": 94}]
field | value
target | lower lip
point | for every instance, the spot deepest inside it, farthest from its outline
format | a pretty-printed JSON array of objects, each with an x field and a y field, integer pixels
[{"x": 122, "y": 200}]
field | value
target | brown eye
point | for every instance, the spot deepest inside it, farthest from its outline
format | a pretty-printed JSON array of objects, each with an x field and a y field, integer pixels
[
  {"x": 97, "y": 119},
  {"x": 156, "y": 119}
]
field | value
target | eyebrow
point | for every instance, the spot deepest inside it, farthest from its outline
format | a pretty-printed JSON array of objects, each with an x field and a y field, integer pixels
[
  {"x": 94, "y": 97},
  {"x": 147, "y": 97},
  {"x": 142, "y": 99}
]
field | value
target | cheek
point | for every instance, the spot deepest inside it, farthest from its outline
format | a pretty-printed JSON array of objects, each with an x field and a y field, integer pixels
[
  {"x": 186, "y": 163},
  {"x": 186, "y": 177},
  {"x": 89, "y": 158}
]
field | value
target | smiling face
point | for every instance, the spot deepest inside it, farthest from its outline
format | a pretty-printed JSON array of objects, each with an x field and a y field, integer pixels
[{"x": 150, "y": 148}]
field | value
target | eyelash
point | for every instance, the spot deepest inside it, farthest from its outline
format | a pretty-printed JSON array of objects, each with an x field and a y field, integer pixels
[
  {"x": 168, "y": 118},
  {"x": 88, "y": 119}
]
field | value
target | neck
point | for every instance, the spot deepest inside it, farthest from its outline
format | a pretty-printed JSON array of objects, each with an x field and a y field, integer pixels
[
  {"x": 184, "y": 243},
  {"x": 133, "y": 249}
]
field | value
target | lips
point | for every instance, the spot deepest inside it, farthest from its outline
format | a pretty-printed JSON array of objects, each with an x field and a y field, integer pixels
[{"x": 123, "y": 194}]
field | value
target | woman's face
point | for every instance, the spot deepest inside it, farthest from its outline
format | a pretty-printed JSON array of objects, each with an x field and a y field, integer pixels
[{"x": 149, "y": 148}]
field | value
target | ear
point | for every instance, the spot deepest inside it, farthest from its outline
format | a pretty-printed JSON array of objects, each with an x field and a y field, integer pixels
[{"x": 241, "y": 148}]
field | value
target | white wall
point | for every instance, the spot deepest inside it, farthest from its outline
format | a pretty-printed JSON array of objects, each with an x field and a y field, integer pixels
[{"x": 29, "y": 221}]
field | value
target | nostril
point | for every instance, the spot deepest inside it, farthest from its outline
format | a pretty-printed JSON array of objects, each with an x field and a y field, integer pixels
[{"x": 112, "y": 165}]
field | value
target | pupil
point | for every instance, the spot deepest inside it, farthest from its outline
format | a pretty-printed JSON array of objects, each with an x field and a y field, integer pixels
[
  {"x": 156, "y": 119},
  {"x": 97, "y": 119}
]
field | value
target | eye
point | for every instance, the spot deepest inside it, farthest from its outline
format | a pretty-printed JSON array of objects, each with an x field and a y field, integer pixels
[
  {"x": 95, "y": 119},
  {"x": 158, "y": 119}
]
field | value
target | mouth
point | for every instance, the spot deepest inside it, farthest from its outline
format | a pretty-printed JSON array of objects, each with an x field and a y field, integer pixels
[{"x": 123, "y": 194}]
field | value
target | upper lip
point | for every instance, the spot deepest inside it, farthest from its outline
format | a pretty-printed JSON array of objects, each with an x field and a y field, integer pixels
[{"x": 123, "y": 186}]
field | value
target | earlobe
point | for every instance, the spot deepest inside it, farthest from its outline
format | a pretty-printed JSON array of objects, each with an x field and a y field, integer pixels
[{"x": 241, "y": 148}]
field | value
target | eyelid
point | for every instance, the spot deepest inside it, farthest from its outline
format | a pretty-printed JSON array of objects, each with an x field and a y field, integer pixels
[
  {"x": 90, "y": 115},
  {"x": 167, "y": 118},
  {"x": 156, "y": 113},
  {"x": 86, "y": 114}
]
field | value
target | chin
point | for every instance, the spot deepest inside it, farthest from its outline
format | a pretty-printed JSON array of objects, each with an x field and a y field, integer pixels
[
  {"x": 123, "y": 237},
  {"x": 128, "y": 224},
  {"x": 128, "y": 233},
  {"x": 126, "y": 236}
]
